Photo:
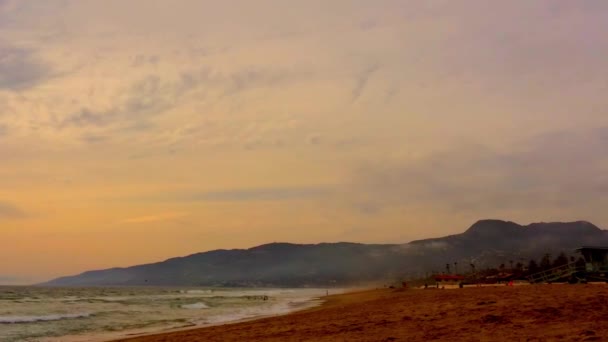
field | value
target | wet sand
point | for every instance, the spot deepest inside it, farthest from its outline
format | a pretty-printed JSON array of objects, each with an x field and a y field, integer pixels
[{"x": 520, "y": 313}]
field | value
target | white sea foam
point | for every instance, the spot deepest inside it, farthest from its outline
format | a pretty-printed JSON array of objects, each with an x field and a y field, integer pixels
[
  {"x": 131, "y": 311},
  {"x": 46, "y": 318},
  {"x": 197, "y": 291},
  {"x": 280, "y": 308},
  {"x": 195, "y": 306}
]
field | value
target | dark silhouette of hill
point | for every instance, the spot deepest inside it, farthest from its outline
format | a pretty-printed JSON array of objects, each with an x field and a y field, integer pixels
[{"x": 486, "y": 243}]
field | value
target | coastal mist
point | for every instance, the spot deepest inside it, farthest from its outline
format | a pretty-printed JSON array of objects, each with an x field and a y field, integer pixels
[{"x": 47, "y": 314}]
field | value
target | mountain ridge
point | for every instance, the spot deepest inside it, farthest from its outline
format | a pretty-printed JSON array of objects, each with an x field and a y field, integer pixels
[{"x": 284, "y": 264}]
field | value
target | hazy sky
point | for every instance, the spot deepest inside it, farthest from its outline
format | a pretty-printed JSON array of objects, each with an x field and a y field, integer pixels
[{"x": 133, "y": 131}]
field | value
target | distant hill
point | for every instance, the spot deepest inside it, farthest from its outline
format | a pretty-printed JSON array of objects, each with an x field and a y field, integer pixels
[{"x": 486, "y": 243}]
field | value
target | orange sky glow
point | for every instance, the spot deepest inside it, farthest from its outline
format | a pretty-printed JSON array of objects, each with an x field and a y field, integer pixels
[{"x": 134, "y": 131}]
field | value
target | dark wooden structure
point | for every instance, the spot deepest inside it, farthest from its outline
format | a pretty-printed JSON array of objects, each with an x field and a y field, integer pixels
[
  {"x": 596, "y": 259},
  {"x": 595, "y": 268}
]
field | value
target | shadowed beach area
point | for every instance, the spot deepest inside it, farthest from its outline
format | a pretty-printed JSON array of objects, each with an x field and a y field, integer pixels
[{"x": 504, "y": 313}]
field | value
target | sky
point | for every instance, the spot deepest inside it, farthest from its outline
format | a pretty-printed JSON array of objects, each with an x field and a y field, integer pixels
[{"x": 134, "y": 131}]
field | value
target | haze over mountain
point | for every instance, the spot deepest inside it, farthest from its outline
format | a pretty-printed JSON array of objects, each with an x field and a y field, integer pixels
[{"x": 485, "y": 243}]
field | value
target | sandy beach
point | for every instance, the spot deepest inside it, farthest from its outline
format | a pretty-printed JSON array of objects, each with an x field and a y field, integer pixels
[{"x": 520, "y": 313}]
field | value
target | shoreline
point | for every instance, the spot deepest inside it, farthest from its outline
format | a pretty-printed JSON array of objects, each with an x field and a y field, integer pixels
[
  {"x": 318, "y": 303},
  {"x": 289, "y": 307},
  {"x": 536, "y": 312},
  {"x": 321, "y": 304},
  {"x": 312, "y": 304}
]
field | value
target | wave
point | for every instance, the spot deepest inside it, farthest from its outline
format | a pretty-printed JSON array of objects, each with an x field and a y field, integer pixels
[
  {"x": 197, "y": 291},
  {"x": 46, "y": 318},
  {"x": 195, "y": 306}
]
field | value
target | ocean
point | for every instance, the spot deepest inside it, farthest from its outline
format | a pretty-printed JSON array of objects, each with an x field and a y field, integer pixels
[{"x": 41, "y": 314}]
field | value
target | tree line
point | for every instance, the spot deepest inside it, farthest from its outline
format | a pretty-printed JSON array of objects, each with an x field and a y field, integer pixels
[{"x": 532, "y": 266}]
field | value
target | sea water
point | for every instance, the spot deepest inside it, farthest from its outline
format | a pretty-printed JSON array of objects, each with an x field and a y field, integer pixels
[{"x": 104, "y": 313}]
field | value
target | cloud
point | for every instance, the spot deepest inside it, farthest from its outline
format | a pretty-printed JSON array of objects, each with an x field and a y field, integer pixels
[
  {"x": 141, "y": 100},
  {"x": 142, "y": 60},
  {"x": 314, "y": 139},
  {"x": 154, "y": 218},
  {"x": 10, "y": 211},
  {"x": 85, "y": 117},
  {"x": 362, "y": 80},
  {"x": 30, "y": 14},
  {"x": 155, "y": 83},
  {"x": 19, "y": 68},
  {"x": 7, "y": 6},
  {"x": 553, "y": 170},
  {"x": 256, "y": 78},
  {"x": 95, "y": 139},
  {"x": 259, "y": 194}
]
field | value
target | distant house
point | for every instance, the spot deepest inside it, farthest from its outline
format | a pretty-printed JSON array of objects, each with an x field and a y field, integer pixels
[
  {"x": 499, "y": 278},
  {"x": 448, "y": 278}
]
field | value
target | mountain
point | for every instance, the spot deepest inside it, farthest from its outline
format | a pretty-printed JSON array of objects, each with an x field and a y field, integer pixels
[{"x": 486, "y": 243}]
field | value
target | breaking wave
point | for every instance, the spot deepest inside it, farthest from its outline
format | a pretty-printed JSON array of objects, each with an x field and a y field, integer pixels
[
  {"x": 46, "y": 318},
  {"x": 195, "y": 306}
]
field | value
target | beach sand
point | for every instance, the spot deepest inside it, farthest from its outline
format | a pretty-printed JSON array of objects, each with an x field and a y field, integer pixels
[{"x": 516, "y": 313}]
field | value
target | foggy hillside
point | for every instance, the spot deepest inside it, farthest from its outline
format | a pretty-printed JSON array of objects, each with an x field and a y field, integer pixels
[{"x": 486, "y": 243}]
